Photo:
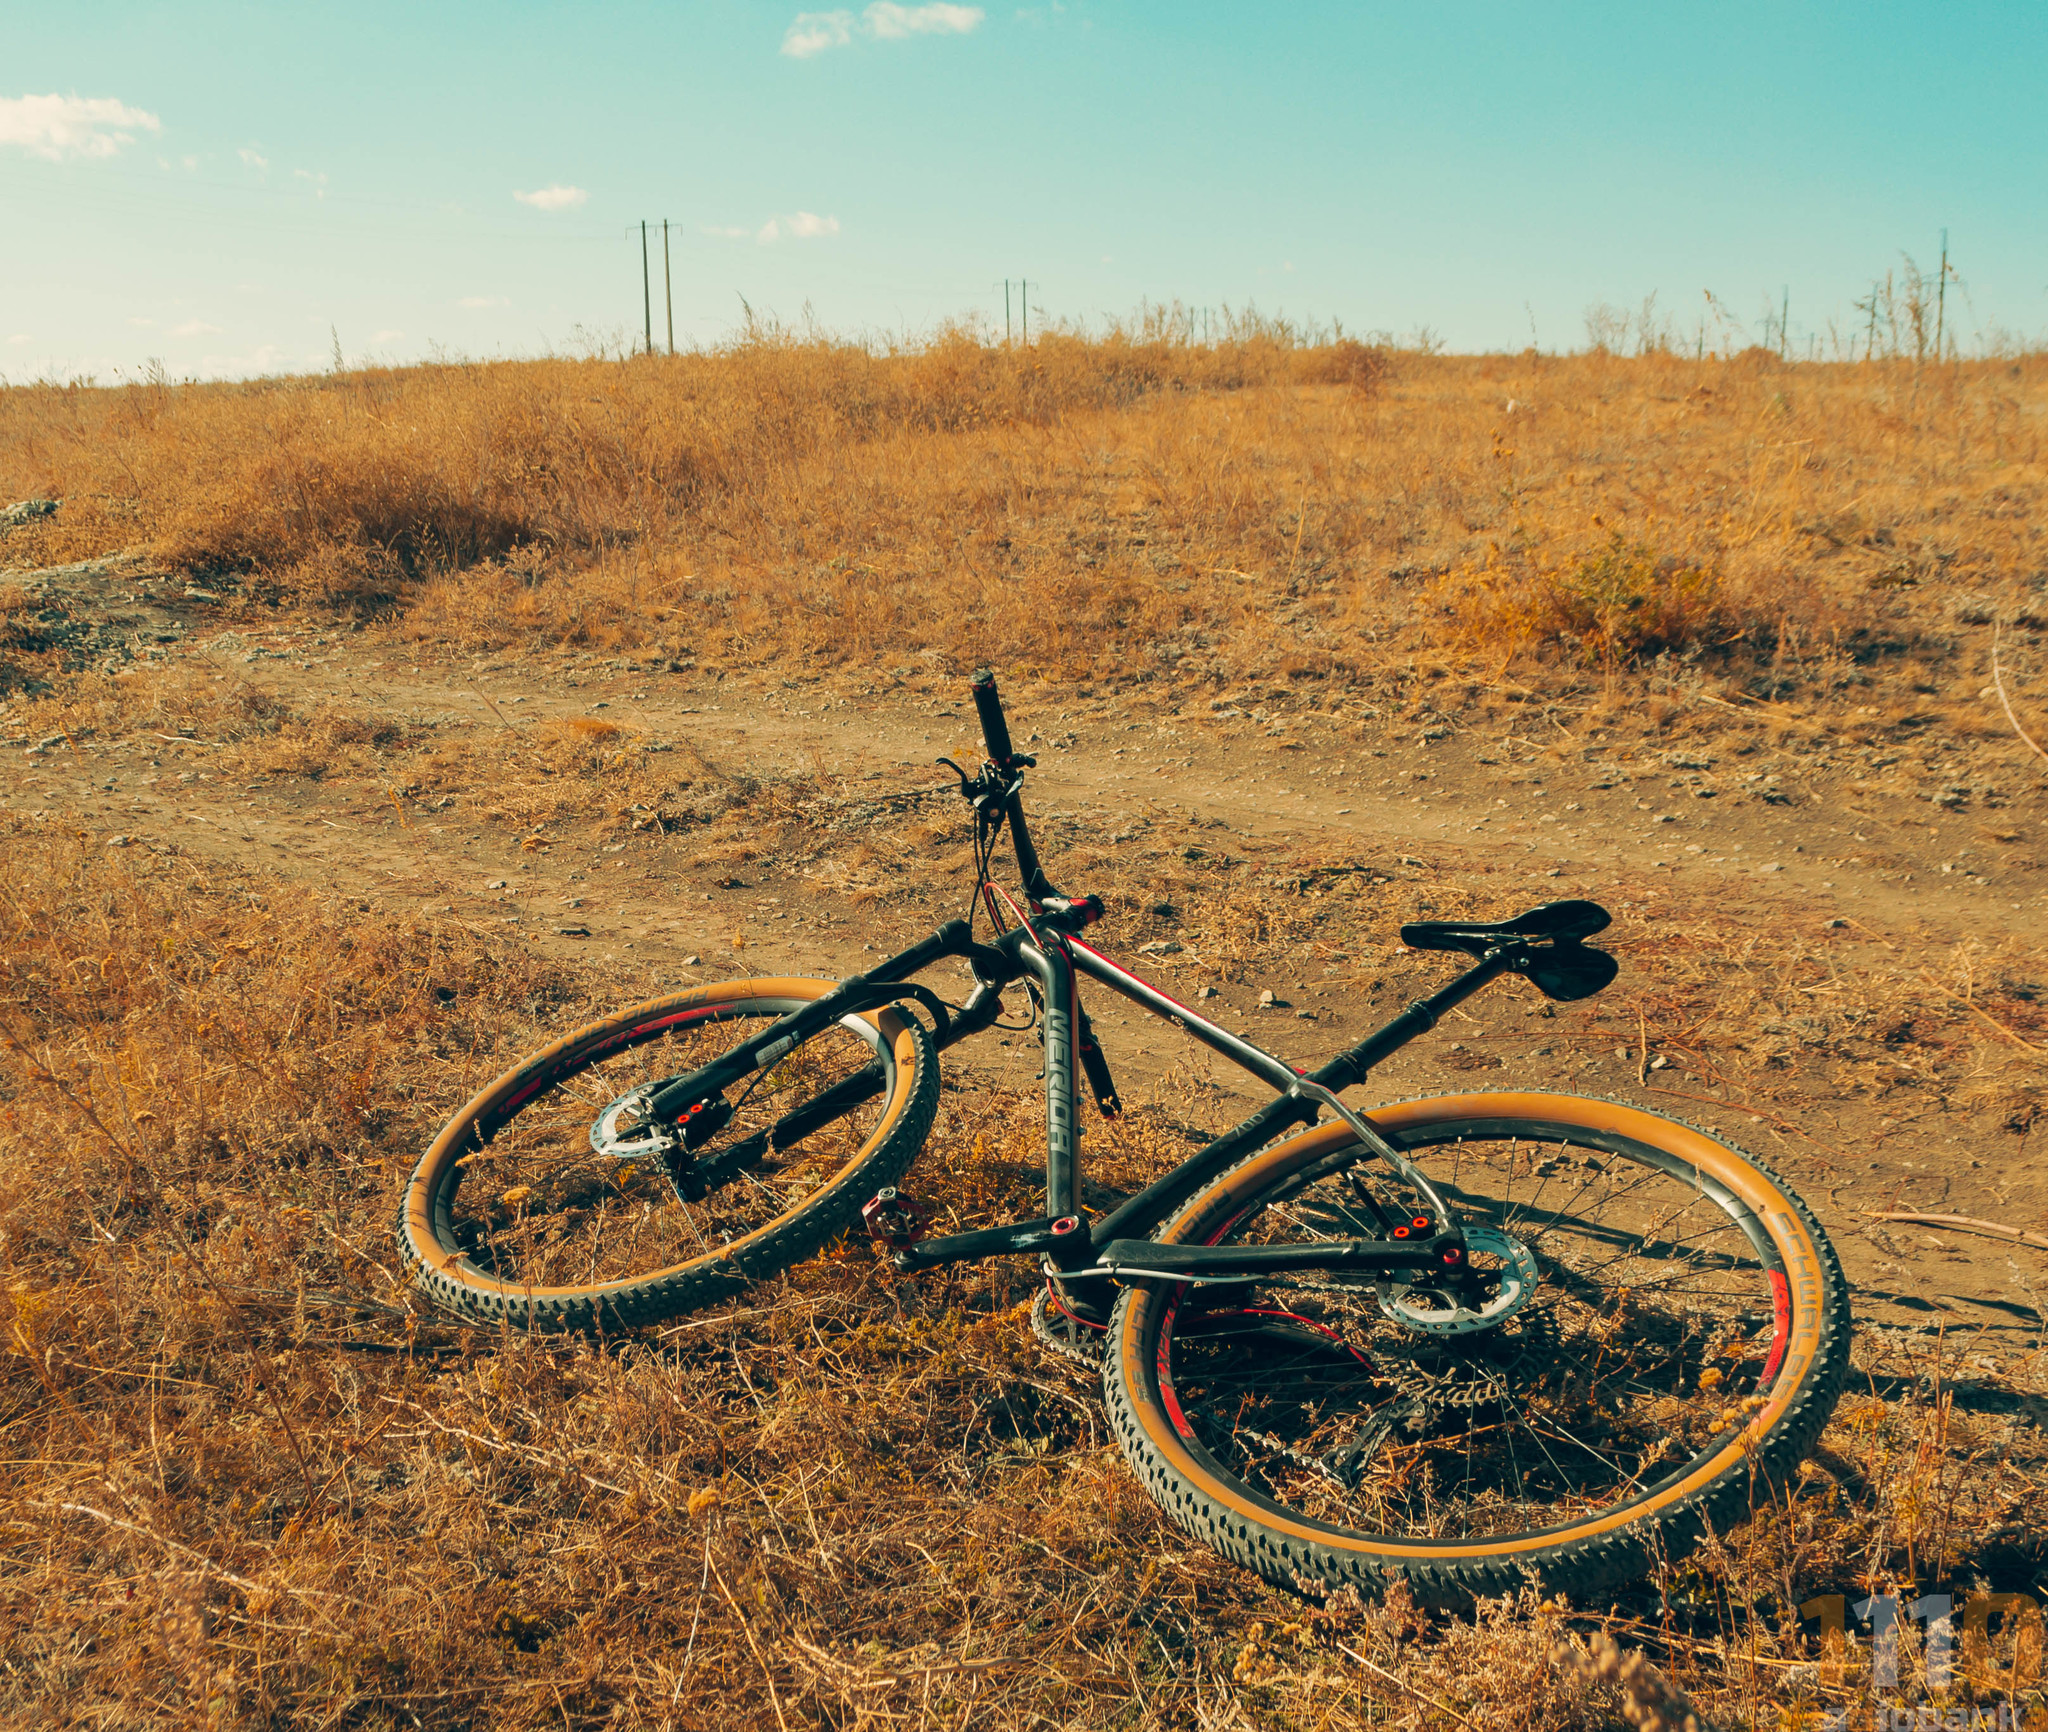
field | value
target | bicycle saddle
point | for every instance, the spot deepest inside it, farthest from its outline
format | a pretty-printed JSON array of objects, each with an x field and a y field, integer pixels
[{"x": 1564, "y": 969}]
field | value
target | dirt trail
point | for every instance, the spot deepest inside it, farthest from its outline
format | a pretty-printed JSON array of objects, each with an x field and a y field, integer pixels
[{"x": 1777, "y": 841}]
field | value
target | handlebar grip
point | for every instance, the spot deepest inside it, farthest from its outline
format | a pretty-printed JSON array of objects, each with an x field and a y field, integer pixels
[{"x": 995, "y": 731}]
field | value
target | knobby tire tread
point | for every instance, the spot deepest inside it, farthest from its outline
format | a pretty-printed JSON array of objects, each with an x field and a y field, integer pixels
[
  {"x": 780, "y": 1245},
  {"x": 1580, "y": 1567}
]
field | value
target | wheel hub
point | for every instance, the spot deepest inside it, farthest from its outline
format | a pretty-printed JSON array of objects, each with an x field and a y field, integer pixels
[{"x": 1435, "y": 1309}]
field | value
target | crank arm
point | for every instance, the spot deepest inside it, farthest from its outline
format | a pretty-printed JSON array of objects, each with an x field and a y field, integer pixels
[{"x": 1055, "y": 1237}]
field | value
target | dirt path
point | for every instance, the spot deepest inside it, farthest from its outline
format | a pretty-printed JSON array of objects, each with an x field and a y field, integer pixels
[{"x": 1821, "y": 840}]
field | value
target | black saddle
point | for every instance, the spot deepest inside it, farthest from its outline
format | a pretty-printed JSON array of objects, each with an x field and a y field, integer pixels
[{"x": 1565, "y": 968}]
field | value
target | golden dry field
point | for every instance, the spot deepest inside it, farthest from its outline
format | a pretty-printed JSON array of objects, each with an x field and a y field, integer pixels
[{"x": 364, "y": 732}]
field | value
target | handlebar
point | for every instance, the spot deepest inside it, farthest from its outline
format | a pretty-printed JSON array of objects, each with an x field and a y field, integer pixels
[{"x": 995, "y": 731}]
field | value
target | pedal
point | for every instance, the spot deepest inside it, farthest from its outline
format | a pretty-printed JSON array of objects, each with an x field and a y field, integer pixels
[{"x": 894, "y": 1219}]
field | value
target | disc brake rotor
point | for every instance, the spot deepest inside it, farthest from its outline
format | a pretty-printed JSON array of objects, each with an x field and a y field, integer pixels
[
  {"x": 1433, "y": 1310},
  {"x": 626, "y": 1131}
]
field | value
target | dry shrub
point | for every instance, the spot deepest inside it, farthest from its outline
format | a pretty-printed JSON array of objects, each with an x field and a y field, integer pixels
[{"x": 1624, "y": 604}]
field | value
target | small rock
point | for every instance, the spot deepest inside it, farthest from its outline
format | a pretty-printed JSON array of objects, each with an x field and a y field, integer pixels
[
  {"x": 692, "y": 961},
  {"x": 1205, "y": 992},
  {"x": 1270, "y": 1000},
  {"x": 1410, "y": 860},
  {"x": 1666, "y": 818},
  {"x": 495, "y": 884},
  {"x": 27, "y": 511},
  {"x": 1772, "y": 867},
  {"x": 118, "y": 841},
  {"x": 1836, "y": 923},
  {"x": 1304, "y": 1016},
  {"x": 1660, "y": 1062}
]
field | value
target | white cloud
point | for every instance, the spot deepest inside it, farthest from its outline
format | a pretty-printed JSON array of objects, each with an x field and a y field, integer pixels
[
  {"x": 253, "y": 158},
  {"x": 195, "y": 328},
  {"x": 21, "y": 337},
  {"x": 729, "y": 233},
  {"x": 385, "y": 336},
  {"x": 484, "y": 301},
  {"x": 885, "y": 21},
  {"x": 814, "y": 32},
  {"x": 59, "y": 126},
  {"x": 554, "y": 197},
  {"x": 800, "y": 225},
  {"x": 891, "y": 23}
]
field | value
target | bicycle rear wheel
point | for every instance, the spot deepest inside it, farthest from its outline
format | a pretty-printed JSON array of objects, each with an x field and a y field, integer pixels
[
  {"x": 1661, "y": 1329},
  {"x": 515, "y": 1213}
]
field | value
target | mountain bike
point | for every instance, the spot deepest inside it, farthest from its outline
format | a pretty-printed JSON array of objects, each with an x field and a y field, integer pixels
[{"x": 1466, "y": 1340}]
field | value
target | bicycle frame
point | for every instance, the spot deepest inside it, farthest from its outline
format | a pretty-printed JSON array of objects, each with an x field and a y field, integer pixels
[
  {"x": 1045, "y": 950},
  {"x": 1053, "y": 958}
]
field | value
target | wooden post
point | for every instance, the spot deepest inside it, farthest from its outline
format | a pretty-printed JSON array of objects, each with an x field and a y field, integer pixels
[
  {"x": 646, "y": 290},
  {"x": 668, "y": 299}
]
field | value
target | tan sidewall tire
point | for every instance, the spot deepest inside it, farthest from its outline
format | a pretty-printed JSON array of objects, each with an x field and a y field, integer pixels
[
  {"x": 1614, "y": 1545},
  {"x": 440, "y": 1272}
]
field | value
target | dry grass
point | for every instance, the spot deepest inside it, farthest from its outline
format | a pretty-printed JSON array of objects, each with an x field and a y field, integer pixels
[
  {"x": 249, "y": 1483},
  {"x": 1133, "y": 509}
]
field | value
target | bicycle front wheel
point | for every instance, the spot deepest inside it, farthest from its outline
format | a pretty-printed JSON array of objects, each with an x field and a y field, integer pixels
[
  {"x": 1658, "y": 1329},
  {"x": 518, "y": 1213}
]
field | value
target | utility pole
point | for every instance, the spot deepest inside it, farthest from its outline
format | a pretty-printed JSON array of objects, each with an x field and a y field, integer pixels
[
  {"x": 1785, "y": 322},
  {"x": 1024, "y": 306},
  {"x": 1941, "y": 296},
  {"x": 668, "y": 299},
  {"x": 646, "y": 291},
  {"x": 1009, "y": 330}
]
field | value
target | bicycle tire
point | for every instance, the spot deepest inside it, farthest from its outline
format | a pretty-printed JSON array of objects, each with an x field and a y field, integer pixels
[
  {"x": 529, "y": 1121},
  {"x": 1285, "y": 1512}
]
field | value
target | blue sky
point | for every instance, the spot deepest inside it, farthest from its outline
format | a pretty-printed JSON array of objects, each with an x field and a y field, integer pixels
[{"x": 221, "y": 186}]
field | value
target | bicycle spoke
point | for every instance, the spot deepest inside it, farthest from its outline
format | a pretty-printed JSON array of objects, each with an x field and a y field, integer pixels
[{"x": 1569, "y": 1408}]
